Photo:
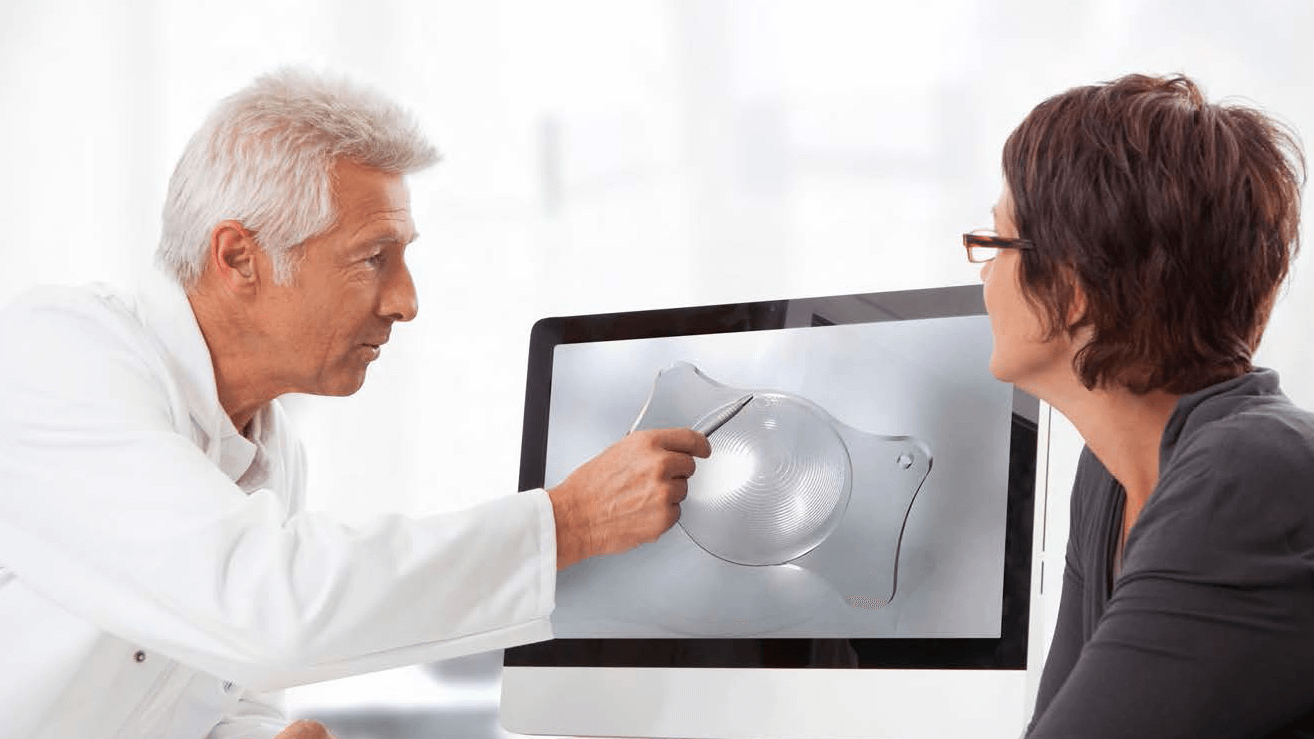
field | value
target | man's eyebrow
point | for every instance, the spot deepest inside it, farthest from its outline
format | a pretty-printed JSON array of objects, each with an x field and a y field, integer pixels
[{"x": 391, "y": 237}]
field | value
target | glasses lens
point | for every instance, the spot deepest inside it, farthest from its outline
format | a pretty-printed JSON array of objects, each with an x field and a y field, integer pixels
[{"x": 977, "y": 253}]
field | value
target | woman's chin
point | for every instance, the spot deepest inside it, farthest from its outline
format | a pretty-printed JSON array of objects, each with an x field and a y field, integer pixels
[{"x": 999, "y": 368}]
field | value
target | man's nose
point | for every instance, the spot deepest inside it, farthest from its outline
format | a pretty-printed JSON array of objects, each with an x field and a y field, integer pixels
[{"x": 399, "y": 301}]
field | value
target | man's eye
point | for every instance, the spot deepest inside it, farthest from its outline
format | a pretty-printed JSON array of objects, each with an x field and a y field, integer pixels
[{"x": 376, "y": 260}]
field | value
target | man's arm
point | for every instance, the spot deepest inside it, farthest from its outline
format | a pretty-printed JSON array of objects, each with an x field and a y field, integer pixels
[
  {"x": 111, "y": 513},
  {"x": 626, "y": 496}
]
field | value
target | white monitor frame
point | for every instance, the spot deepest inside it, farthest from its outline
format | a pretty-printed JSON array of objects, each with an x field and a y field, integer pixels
[{"x": 812, "y": 702}]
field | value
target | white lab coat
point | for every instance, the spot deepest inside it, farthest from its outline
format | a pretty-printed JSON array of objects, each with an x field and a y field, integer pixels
[{"x": 158, "y": 574}]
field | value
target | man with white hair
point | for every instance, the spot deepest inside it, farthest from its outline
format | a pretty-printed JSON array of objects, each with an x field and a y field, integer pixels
[{"x": 159, "y": 575}]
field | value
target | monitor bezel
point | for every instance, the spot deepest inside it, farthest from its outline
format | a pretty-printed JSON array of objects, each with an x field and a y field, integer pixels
[{"x": 1007, "y": 652}]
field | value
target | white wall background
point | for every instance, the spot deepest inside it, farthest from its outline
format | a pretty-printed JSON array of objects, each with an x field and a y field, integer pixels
[{"x": 600, "y": 155}]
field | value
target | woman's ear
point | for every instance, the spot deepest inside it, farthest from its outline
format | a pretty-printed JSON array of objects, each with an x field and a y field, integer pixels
[{"x": 1077, "y": 304}]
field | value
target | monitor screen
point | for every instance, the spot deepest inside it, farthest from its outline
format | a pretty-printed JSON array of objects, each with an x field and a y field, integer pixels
[{"x": 868, "y": 507}]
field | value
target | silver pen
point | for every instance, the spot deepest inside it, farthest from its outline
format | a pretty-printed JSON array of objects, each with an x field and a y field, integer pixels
[{"x": 717, "y": 418}]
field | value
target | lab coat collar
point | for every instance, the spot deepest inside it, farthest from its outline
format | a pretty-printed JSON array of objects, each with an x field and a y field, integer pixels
[{"x": 166, "y": 310}]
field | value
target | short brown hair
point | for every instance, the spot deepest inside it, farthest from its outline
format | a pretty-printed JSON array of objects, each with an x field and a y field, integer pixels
[{"x": 1177, "y": 218}]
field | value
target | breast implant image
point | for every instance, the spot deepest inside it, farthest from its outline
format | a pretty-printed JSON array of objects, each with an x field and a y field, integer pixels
[
  {"x": 776, "y": 485},
  {"x": 783, "y": 477}
]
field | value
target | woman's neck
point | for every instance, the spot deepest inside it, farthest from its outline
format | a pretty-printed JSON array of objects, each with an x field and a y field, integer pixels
[{"x": 1124, "y": 430}]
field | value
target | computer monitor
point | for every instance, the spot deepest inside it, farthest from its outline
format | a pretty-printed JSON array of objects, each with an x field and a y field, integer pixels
[{"x": 854, "y": 559}]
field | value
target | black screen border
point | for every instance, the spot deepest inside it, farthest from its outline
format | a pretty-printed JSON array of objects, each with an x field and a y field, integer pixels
[{"x": 1008, "y": 652}]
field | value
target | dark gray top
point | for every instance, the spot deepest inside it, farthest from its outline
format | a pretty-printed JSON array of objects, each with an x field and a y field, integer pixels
[{"x": 1208, "y": 629}]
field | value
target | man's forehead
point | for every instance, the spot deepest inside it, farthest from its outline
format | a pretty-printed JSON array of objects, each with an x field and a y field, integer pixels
[
  {"x": 371, "y": 200},
  {"x": 386, "y": 225}
]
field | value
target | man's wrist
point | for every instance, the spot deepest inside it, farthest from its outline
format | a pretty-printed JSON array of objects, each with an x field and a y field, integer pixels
[{"x": 565, "y": 515}]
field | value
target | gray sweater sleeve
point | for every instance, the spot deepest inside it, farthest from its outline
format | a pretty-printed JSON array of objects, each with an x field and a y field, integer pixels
[
  {"x": 1209, "y": 631},
  {"x": 1065, "y": 646}
]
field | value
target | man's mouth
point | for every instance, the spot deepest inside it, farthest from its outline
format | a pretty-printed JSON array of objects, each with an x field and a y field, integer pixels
[{"x": 376, "y": 346}]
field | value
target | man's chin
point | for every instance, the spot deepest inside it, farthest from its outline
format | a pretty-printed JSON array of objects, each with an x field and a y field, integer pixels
[
  {"x": 342, "y": 386},
  {"x": 351, "y": 388}
]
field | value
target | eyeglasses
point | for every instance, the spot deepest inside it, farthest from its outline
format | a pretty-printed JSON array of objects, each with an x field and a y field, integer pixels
[{"x": 984, "y": 245}]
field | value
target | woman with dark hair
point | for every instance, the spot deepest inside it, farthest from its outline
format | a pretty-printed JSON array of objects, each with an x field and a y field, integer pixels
[{"x": 1140, "y": 241}]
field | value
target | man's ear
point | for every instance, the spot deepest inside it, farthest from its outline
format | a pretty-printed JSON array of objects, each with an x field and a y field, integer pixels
[{"x": 233, "y": 256}]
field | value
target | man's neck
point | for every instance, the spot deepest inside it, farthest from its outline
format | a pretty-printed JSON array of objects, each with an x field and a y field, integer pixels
[{"x": 239, "y": 378}]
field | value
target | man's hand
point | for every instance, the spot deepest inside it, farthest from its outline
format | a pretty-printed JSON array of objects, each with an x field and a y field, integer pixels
[
  {"x": 626, "y": 496},
  {"x": 305, "y": 730}
]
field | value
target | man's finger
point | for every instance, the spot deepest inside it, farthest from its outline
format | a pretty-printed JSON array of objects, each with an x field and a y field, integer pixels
[
  {"x": 673, "y": 516},
  {"x": 681, "y": 465},
  {"x": 679, "y": 490},
  {"x": 683, "y": 440}
]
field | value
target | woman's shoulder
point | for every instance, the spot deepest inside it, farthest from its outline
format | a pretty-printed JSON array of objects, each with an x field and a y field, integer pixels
[
  {"x": 1243, "y": 480},
  {"x": 1261, "y": 438},
  {"x": 1237, "y": 422}
]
